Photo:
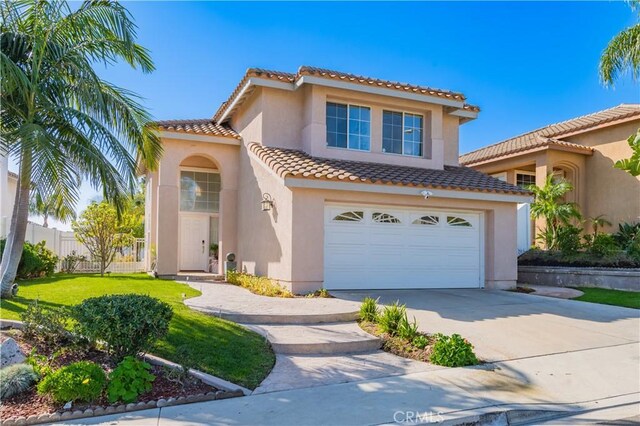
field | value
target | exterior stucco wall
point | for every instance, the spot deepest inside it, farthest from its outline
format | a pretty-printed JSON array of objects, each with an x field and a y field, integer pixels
[
  {"x": 610, "y": 191},
  {"x": 500, "y": 243},
  {"x": 264, "y": 238},
  {"x": 165, "y": 212},
  {"x": 451, "y": 136},
  {"x": 297, "y": 119}
]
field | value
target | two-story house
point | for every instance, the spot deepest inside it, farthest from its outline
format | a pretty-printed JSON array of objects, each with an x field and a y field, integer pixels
[{"x": 325, "y": 179}]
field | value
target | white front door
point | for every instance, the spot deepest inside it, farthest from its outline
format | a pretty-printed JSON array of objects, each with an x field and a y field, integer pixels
[
  {"x": 194, "y": 242},
  {"x": 388, "y": 248}
]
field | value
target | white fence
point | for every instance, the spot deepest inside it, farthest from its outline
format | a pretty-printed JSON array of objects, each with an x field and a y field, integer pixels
[
  {"x": 63, "y": 243},
  {"x": 127, "y": 259}
]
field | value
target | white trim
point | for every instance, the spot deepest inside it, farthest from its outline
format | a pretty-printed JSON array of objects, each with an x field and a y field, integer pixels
[
  {"x": 348, "y": 105},
  {"x": 199, "y": 138},
  {"x": 422, "y": 144},
  {"x": 233, "y": 104},
  {"x": 293, "y": 182},
  {"x": 200, "y": 170},
  {"x": 307, "y": 79},
  {"x": 464, "y": 113}
]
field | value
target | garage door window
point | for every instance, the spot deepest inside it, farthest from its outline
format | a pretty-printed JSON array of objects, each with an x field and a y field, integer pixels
[
  {"x": 351, "y": 216},
  {"x": 457, "y": 221},
  {"x": 427, "y": 220},
  {"x": 384, "y": 218}
]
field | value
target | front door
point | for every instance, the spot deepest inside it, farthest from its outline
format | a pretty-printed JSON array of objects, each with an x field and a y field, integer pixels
[{"x": 194, "y": 242}]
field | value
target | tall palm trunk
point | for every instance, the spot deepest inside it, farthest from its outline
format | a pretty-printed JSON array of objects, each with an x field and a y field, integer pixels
[{"x": 15, "y": 240}]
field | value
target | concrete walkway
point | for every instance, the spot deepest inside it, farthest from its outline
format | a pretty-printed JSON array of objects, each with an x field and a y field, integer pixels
[
  {"x": 557, "y": 292},
  {"x": 551, "y": 386}
]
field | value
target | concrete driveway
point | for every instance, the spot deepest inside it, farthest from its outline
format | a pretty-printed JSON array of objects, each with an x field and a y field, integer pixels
[{"x": 505, "y": 326}]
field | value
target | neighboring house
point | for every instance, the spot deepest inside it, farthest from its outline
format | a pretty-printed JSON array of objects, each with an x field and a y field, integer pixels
[
  {"x": 8, "y": 187},
  {"x": 582, "y": 151},
  {"x": 325, "y": 179}
]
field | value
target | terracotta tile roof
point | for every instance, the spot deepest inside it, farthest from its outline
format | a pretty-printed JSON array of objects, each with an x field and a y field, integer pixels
[
  {"x": 550, "y": 135},
  {"x": 294, "y": 163},
  {"x": 203, "y": 126},
  {"x": 337, "y": 75}
]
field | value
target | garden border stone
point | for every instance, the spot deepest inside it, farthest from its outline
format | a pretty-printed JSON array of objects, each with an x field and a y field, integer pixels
[
  {"x": 566, "y": 276},
  {"x": 227, "y": 390}
]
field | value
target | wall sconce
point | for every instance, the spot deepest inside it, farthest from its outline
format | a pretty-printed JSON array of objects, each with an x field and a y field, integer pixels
[{"x": 267, "y": 202}]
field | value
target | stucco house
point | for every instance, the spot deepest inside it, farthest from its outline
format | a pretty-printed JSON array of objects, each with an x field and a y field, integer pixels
[
  {"x": 325, "y": 179},
  {"x": 582, "y": 151}
]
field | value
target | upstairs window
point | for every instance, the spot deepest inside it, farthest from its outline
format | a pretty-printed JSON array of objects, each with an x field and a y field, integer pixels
[
  {"x": 402, "y": 133},
  {"x": 348, "y": 126},
  {"x": 525, "y": 179}
]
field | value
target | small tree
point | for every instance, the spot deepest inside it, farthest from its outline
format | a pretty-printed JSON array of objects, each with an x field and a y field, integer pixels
[
  {"x": 548, "y": 205},
  {"x": 98, "y": 228}
]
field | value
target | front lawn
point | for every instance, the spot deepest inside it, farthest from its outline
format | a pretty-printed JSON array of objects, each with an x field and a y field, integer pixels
[
  {"x": 218, "y": 347},
  {"x": 627, "y": 299}
]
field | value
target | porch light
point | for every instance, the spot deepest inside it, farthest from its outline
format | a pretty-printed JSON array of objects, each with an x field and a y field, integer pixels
[{"x": 267, "y": 202}]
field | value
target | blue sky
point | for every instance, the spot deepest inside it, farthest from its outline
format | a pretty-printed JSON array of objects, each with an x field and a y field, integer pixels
[{"x": 525, "y": 64}]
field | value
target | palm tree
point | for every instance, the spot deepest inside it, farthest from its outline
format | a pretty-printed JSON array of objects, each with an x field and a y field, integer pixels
[
  {"x": 548, "y": 204},
  {"x": 58, "y": 118},
  {"x": 598, "y": 222},
  {"x": 52, "y": 206},
  {"x": 622, "y": 54}
]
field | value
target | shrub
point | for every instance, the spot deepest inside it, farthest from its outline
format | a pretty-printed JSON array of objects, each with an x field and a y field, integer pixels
[
  {"x": 259, "y": 285},
  {"x": 603, "y": 245},
  {"x": 389, "y": 320},
  {"x": 40, "y": 363},
  {"x": 180, "y": 374},
  {"x": 569, "y": 239},
  {"x": 369, "y": 310},
  {"x": 453, "y": 351},
  {"x": 628, "y": 238},
  {"x": 46, "y": 326},
  {"x": 79, "y": 381},
  {"x": 36, "y": 260},
  {"x": 588, "y": 259},
  {"x": 16, "y": 379},
  {"x": 71, "y": 261},
  {"x": 420, "y": 341},
  {"x": 129, "y": 379},
  {"x": 407, "y": 330},
  {"x": 127, "y": 323}
]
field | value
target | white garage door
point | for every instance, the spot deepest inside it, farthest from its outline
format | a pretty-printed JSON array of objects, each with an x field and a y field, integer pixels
[{"x": 385, "y": 248}]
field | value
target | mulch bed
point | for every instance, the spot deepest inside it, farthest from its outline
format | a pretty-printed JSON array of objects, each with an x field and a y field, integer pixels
[
  {"x": 31, "y": 403},
  {"x": 398, "y": 346}
]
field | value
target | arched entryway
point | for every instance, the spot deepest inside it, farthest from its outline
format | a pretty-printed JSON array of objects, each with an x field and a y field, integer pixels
[
  {"x": 565, "y": 170},
  {"x": 199, "y": 214}
]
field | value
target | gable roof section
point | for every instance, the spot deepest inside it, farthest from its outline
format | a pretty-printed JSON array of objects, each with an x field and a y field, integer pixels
[
  {"x": 242, "y": 90},
  {"x": 204, "y": 126},
  {"x": 298, "y": 164},
  {"x": 548, "y": 136}
]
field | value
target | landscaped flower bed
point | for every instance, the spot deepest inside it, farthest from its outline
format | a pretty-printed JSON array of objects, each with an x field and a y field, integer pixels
[
  {"x": 402, "y": 338},
  {"x": 85, "y": 360}
]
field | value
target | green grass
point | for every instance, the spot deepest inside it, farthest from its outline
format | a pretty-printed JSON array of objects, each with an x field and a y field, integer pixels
[
  {"x": 627, "y": 299},
  {"x": 219, "y": 347}
]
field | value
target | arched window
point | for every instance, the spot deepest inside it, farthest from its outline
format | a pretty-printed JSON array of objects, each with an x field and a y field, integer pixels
[
  {"x": 384, "y": 218},
  {"x": 457, "y": 221},
  {"x": 427, "y": 220},
  {"x": 352, "y": 216}
]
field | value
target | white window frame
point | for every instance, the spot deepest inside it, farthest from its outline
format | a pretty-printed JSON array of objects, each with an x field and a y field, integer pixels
[
  {"x": 422, "y": 155},
  {"x": 348, "y": 105},
  {"x": 524, "y": 172},
  {"x": 199, "y": 170}
]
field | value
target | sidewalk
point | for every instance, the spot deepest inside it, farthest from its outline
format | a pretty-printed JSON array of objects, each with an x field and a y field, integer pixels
[{"x": 560, "y": 382}]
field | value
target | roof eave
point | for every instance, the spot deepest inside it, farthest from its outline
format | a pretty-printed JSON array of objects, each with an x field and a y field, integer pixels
[{"x": 584, "y": 151}]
